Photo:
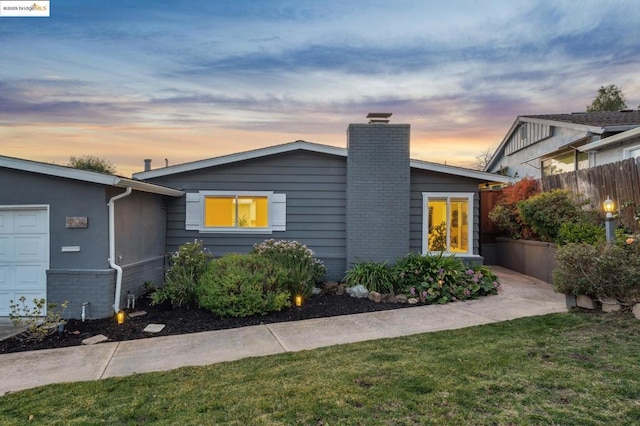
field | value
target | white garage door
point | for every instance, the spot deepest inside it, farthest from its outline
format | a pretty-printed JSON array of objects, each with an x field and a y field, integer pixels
[{"x": 24, "y": 254}]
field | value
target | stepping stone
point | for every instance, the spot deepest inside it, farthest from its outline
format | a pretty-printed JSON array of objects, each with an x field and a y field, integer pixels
[
  {"x": 154, "y": 328},
  {"x": 95, "y": 339},
  {"x": 137, "y": 314}
]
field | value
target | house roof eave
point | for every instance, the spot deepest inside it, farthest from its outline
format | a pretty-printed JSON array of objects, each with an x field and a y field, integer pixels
[
  {"x": 241, "y": 156},
  {"x": 620, "y": 137},
  {"x": 460, "y": 171},
  {"x": 84, "y": 176}
]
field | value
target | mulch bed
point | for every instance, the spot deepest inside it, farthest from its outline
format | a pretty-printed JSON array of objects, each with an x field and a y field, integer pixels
[{"x": 184, "y": 320}]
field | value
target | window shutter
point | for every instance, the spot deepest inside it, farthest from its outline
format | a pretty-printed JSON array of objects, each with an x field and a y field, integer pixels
[
  {"x": 279, "y": 209},
  {"x": 192, "y": 213}
]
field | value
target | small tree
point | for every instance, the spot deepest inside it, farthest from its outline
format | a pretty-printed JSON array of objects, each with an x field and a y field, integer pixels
[
  {"x": 610, "y": 98},
  {"x": 93, "y": 164},
  {"x": 483, "y": 159}
]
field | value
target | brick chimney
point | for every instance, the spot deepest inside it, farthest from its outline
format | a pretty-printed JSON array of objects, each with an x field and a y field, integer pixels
[{"x": 378, "y": 175}]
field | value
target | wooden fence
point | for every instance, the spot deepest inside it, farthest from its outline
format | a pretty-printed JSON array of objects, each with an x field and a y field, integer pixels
[{"x": 619, "y": 181}]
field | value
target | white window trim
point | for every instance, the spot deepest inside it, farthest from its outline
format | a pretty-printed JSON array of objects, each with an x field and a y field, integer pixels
[
  {"x": 195, "y": 206},
  {"x": 425, "y": 220},
  {"x": 626, "y": 152}
]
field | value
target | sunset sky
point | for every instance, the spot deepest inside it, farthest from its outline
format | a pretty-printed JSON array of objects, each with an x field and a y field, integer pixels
[{"x": 185, "y": 80}]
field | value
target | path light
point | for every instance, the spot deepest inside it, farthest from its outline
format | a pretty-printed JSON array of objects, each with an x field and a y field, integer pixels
[
  {"x": 297, "y": 300},
  {"x": 609, "y": 206},
  {"x": 120, "y": 317}
]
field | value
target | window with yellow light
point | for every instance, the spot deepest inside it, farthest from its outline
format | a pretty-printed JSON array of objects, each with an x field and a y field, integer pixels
[{"x": 236, "y": 211}]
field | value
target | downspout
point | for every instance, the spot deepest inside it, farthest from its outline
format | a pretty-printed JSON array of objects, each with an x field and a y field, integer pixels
[{"x": 112, "y": 247}]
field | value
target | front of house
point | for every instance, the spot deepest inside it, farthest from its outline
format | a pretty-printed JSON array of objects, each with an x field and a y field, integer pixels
[
  {"x": 93, "y": 239},
  {"x": 543, "y": 145},
  {"x": 368, "y": 202}
]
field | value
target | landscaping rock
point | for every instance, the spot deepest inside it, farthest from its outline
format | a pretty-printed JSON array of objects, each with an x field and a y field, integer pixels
[
  {"x": 95, "y": 339},
  {"x": 137, "y": 314},
  {"x": 333, "y": 288},
  {"x": 316, "y": 291},
  {"x": 636, "y": 310},
  {"x": 389, "y": 298},
  {"x": 585, "y": 302},
  {"x": 412, "y": 300},
  {"x": 571, "y": 300},
  {"x": 401, "y": 298},
  {"x": 610, "y": 305},
  {"x": 375, "y": 296},
  {"x": 154, "y": 328},
  {"x": 358, "y": 291}
]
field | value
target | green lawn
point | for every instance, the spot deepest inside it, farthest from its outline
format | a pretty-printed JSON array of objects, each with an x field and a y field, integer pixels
[{"x": 568, "y": 369}]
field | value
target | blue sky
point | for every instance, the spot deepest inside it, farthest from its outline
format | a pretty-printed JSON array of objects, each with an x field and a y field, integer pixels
[{"x": 128, "y": 80}]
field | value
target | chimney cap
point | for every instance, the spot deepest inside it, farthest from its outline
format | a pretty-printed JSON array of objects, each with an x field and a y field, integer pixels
[{"x": 379, "y": 117}]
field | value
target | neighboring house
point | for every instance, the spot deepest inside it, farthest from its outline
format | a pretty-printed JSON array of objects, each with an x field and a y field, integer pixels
[
  {"x": 78, "y": 236},
  {"x": 368, "y": 202},
  {"x": 542, "y": 145}
]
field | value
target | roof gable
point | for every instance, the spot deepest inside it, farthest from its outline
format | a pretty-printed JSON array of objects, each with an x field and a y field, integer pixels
[
  {"x": 539, "y": 127},
  {"x": 312, "y": 147},
  {"x": 84, "y": 176}
]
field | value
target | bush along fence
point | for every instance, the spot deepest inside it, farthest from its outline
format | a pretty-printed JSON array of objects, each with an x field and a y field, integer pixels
[
  {"x": 271, "y": 276},
  {"x": 590, "y": 270}
]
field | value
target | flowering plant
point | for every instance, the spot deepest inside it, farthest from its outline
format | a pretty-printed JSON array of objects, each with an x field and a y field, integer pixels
[
  {"x": 442, "y": 279},
  {"x": 300, "y": 261}
]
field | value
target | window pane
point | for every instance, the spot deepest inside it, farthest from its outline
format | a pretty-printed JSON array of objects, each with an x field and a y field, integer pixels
[
  {"x": 583, "y": 160},
  {"x": 253, "y": 212},
  {"x": 459, "y": 225},
  {"x": 219, "y": 211},
  {"x": 437, "y": 225}
]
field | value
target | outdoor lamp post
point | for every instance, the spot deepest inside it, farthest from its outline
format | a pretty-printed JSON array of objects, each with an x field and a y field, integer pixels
[{"x": 608, "y": 220}]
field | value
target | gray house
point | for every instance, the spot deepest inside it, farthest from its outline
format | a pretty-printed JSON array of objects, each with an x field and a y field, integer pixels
[
  {"x": 83, "y": 237},
  {"x": 368, "y": 202},
  {"x": 541, "y": 145}
]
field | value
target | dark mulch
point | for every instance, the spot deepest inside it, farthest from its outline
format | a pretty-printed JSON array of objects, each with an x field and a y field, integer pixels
[{"x": 183, "y": 320}]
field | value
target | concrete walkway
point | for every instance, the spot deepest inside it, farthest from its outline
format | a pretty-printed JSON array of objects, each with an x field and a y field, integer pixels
[{"x": 520, "y": 296}]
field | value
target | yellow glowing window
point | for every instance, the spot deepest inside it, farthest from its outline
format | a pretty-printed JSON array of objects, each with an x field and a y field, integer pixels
[
  {"x": 236, "y": 211},
  {"x": 447, "y": 223}
]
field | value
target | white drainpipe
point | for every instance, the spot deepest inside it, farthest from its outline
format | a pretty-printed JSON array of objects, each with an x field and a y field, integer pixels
[{"x": 112, "y": 247}]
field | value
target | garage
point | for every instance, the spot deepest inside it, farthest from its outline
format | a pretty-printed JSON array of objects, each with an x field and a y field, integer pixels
[{"x": 24, "y": 254}]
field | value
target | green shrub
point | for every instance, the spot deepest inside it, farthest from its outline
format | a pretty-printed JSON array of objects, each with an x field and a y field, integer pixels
[
  {"x": 374, "y": 276},
  {"x": 601, "y": 270},
  {"x": 32, "y": 318},
  {"x": 304, "y": 269},
  {"x": 242, "y": 285},
  {"x": 576, "y": 272},
  {"x": 580, "y": 232},
  {"x": 181, "y": 280},
  {"x": 547, "y": 211},
  {"x": 441, "y": 279}
]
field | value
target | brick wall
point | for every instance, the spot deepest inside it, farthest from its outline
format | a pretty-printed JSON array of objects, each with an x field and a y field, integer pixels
[
  {"x": 77, "y": 286},
  {"x": 135, "y": 275},
  {"x": 378, "y": 186}
]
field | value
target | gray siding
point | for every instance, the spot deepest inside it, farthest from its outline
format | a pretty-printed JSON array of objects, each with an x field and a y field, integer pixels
[
  {"x": 377, "y": 192},
  {"x": 66, "y": 198},
  {"x": 427, "y": 181},
  {"x": 85, "y": 276},
  {"x": 315, "y": 185}
]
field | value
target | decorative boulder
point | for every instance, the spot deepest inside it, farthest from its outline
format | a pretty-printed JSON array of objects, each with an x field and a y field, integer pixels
[
  {"x": 585, "y": 302},
  {"x": 375, "y": 296},
  {"x": 389, "y": 298},
  {"x": 401, "y": 298},
  {"x": 636, "y": 310},
  {"x": 610, "y": 305},
  {"x": 412, "y": 300},
  {"x": 359, "y": 291}
]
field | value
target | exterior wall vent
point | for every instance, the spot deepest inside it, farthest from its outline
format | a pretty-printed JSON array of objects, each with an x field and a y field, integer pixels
[{"x": 379, "y": 117}]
